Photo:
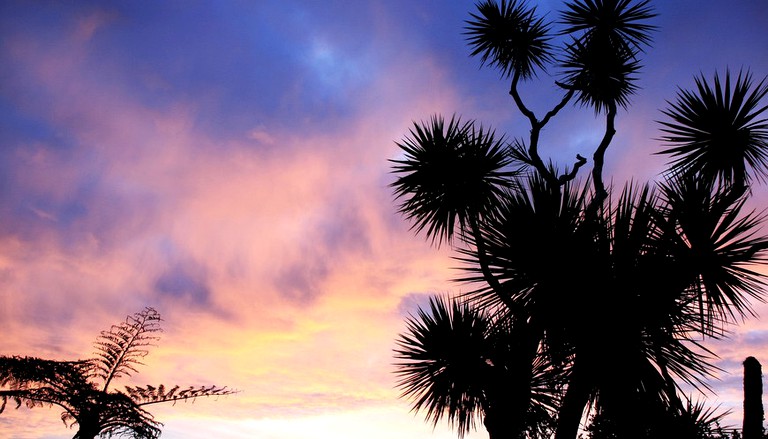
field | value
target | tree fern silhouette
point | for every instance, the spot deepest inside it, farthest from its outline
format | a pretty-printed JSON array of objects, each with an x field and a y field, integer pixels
[{"x": 83, "y": 388}]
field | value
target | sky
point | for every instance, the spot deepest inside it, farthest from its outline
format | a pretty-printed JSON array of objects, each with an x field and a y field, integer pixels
[{"x": 227, "y": 163}]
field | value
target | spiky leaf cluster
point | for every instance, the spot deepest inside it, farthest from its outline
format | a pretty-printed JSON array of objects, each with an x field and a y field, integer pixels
[
  {"x": 510, "y": 37},
  {"x": 693, "y": 420},
  {"x": 624, "y": 22},
  {"x": 449, "y": 175},
  {"x": 719, "y": 130},
  {"x": 442, "y": 362},
  {"x": 601, "y": 62},
  {"x": 717, "y": 244},
  {"x": 456, "y": 361},
  {"x": 589, "y": 283}
]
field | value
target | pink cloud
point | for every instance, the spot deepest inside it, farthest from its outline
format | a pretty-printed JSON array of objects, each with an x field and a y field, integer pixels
[
  {"x": 87, "y": 25},
  {"x": 169, "y": 207},
  {"x": 276, "y": 258}
]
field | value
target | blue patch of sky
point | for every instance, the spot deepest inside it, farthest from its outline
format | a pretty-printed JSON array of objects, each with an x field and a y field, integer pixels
[
  {"x": 19, "y": 100},
  {"x": 67, "y": 212},
  {"x": 184, "y": 279},
  {"x": 46, "y": 22},
  {"x": 336, "y": 58},
  {"x": 31, "y": 214},
  {"x": 171, "y": 52},
  {"x": 756, "y": 338},
  {"x": 268, "y": 63},
  {"x": 244, "y": 64},
  {"x": 184, "y": 282},
  {"x": 699, "y": 38},
  {"x": 20, "y": 129},
  {"x": 412, "y": 302},
  {"x": 38, "y": 209}
]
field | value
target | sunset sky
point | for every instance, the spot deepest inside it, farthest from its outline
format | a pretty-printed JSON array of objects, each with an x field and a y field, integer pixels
[{"x": 226, "y": 162}]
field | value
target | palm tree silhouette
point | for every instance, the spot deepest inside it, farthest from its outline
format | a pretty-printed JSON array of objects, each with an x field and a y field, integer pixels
[
  {"x": 613, "y": 294},
  {"x": 83, "y": 388}
]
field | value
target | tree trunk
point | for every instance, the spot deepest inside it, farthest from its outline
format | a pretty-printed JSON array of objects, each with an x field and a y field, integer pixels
[
  {"x": 507, "y": 413},
  {"x": 500, "y": 426},
  {"x": 509, "y": 390},
  {"x": 88, "y": 431},
  {"x": 88, "y": 423},
  {"x": 753, "y": 399},
  {"x": 575, "y": 401}
]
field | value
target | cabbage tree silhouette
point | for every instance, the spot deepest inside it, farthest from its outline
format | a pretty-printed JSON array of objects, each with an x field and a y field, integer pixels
[
  {"x": 457, "y": 361},
  {"x": 613, "y": 291},
  {"x": 83, "y": 388}
]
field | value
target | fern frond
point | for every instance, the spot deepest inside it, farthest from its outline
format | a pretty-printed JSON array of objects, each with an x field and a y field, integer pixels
[
  {"x": 120, "y": 350},
  {"x": 152, "y": 395},
  {"x": 35, "y": 382}
]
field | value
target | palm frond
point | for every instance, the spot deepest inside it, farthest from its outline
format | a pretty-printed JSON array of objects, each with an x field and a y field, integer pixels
[
  {"x": 19, "y": 372},
  {"x": 602, "y": 74},
  {"x": 534, "y": 246},
  {"x": 443, "y": 362},
  {"x": 508, "y": 36},
  {"x": 601, "y": 61},
  {"x": 449, "y": 175},
  {"x": 715, "y": 244},
  {"x": 717, "y": 131},
  {"x": 620, "y": 20}
]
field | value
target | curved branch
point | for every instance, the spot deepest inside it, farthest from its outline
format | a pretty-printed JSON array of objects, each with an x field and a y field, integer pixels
[
  {"x": 533, "y": 147},
  {"x": 488, "y": 275},
  {"x": 536, "y": 127},
  {"x": 558, "y": 107},
  {"x": 599, "y": 157},
  {"x": 519, "y": 101},
  {"x": 580, "y": 161}
]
